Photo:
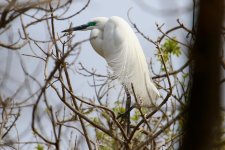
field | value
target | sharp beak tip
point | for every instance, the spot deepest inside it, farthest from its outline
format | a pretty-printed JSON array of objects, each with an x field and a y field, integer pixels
[
  {"x": 64, "y": 31},
  {"x": 82, "y": 27}
]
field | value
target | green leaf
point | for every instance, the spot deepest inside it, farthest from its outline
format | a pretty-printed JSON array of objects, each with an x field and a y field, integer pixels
[
  {"x": 136, "y": 116},
  {"x": 39, "y": 147},
  {"x": 170, "y": 46},
  {"x": 95, "y": 120},
  {"x": 105, "y": 115},
  {"x": 185, "y": 75}
]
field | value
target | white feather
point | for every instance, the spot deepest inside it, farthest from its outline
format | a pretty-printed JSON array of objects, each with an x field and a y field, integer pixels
[{"x": 118, "y": 44}]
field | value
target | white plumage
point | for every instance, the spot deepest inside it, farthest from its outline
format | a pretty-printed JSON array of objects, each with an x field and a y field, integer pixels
[{"x": 114, "y": 40}]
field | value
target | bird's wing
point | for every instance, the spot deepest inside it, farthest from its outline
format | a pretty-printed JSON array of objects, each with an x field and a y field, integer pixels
[
  {"x": 143, "y": 86},
  {"x": 115, "y": 45},
  {"x": 125, "y": 56}
]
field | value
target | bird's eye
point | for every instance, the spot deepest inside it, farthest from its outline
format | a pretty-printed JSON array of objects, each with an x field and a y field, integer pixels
[{"x": 91, "y": 23}]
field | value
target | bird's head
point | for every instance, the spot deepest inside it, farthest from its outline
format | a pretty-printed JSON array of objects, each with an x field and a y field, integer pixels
[{"x": 94, "y": 23}]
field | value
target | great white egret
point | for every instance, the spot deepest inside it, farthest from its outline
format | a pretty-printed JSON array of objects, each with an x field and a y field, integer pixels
[{"x": 115, "y": 41}]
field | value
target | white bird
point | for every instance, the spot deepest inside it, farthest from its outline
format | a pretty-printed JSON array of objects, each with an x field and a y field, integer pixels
[{"x": 116, "y": 42}]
